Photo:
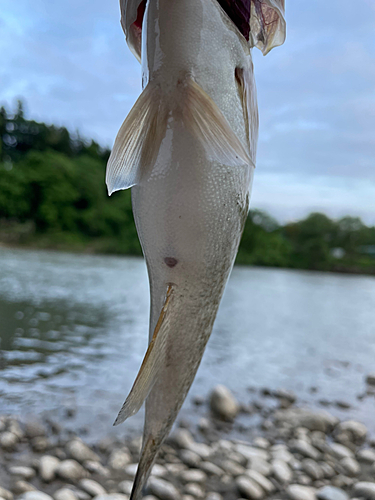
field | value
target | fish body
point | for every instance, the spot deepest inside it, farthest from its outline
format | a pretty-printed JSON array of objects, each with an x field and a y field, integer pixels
[{"x": 188, "y": 151}]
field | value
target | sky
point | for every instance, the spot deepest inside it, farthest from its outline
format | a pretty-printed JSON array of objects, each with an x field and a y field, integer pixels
[{"x": 70, "y": 64}]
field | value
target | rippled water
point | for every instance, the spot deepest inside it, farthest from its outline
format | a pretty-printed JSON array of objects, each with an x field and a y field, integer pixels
[{"x": 73, "y": 333}]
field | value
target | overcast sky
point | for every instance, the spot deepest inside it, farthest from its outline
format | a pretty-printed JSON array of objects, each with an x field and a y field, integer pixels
[{"x": 69, "y": 62}]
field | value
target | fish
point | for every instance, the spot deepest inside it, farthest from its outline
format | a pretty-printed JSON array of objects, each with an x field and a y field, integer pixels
[{"x": 187, "y": 150}]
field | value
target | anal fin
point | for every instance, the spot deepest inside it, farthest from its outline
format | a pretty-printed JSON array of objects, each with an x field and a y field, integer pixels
[{"x": 152, "y": 362}]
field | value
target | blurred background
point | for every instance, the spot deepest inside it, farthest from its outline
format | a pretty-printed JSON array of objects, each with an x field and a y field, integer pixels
[{"x": 299, "y": 310}]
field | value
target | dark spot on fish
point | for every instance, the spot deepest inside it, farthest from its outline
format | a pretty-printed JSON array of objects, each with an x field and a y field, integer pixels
[{"x": 170, "y": 261}]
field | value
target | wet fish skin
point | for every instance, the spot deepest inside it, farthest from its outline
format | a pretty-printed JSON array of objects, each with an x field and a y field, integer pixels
[{"x": 188, "y": 150}]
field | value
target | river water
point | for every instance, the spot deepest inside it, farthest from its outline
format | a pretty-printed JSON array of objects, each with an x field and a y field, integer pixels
[{"x": 73, "y": 333}]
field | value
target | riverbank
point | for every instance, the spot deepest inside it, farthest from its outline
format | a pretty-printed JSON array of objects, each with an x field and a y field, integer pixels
[{"x": 289, "y": 452}]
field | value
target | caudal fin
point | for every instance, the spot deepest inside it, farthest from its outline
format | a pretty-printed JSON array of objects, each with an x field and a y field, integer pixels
[
  {"x": 138, "y": 141},
  {"x": 152, "y": 363}
]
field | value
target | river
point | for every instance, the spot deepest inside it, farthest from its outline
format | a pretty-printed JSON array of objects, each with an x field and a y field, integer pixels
[{"x": 73, "y": 333}]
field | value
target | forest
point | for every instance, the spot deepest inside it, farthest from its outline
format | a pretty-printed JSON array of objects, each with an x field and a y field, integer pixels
[{"x": 53, "y": 195}]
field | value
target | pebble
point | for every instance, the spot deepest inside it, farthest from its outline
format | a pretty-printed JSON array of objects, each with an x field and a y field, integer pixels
[
  {"x": 7, "y": 495},
  {"x": 21, "y": 471},
  {"x": 65, "y": 494},
  {"x": 298, "y": 492},
  {"x": 96, "y": 468},
  {"x": 249, "y": 488},
  {"x": 331, "y": 493},
  {"x": 223, "y": 404},
  {"x": 312, "y": 469},
  {"x": 8, "y": 440},
  {"x": 119, "y": 459},
  {"x": 91, "y": 487},
  {"x": 250, "y": 452},
  {"x": 79, "y": 451},
  {"x": 281, "y": 471},
  {"x": 200, "y": 449},
  {"x": 183, "y": 438},
  {"x": 370, "y": 379},
  {"x": 131, "y": 470},
  {"x": 262, "y": 481},
  {"x": 34, "y": 429},
  {"x": 194, "y": 489},
  {"x": 340, "y": 451},
  {"x": 261, "y": 466},
  {"x": 70, "y": 470},
  {"x": 40, "y": 444},
  {"x": 22, "y": 487},
  {"x": 232, "y": 468},
  {"x": 193, "y": 476},
  {"x": 34, "y": 495},
  {"x": 158, "y": 470},
  {"x": 365, "y": 489},
  {"x": 304, "y": 448},
  {"x": 356, "y": 431},
  {"x": 125, "y": 487},
  {"x": 312, "y": 420},
  {"x": 190, "y": 458},
  {"x": 112, "y": 496},
  {"x": 213, "y": 496},
  {"x": 163, "y": 489},
  {"x": 48, "y": 466},
  {"x": 367, "y": 456},
  {"x": 212, "y": 469},
  {"x": 351, "y": 466}
]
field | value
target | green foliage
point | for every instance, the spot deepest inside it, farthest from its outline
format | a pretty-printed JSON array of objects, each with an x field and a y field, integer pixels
[{"x": 52, "y": 195}]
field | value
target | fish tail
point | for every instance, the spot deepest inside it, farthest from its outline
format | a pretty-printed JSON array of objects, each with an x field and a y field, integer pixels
[{"x": 139, "y": 139}]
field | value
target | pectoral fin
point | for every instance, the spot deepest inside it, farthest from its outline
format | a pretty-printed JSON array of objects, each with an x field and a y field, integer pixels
[
  {"x": 207, "y": 123},
  {"x": 138, "y": 141},
  {"x": 152, "y": 363}
]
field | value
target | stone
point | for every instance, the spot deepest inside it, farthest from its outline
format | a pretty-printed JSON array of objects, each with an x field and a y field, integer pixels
[
  {"x": 71, "y": 470},
  {"x": 340, "y": 451},
  {"x": 182, "y": 438},
  {"x": 8, "y": 441},
  {"x": 312, "y": 469},
  {"x": 281, "y": 471},
  {"x": 48, "y": 466},
  {"x": 232, "y": 468},
  {"x": 355, "y": 431},
  {"x": 201, "y": 449},
  {"x": 223, "y": 404},
  {"x": 158, "y": 470},
  {"x": 213, "y": 496},
  {"x": 65, "y": 494},
  {"x": 262, "y": 481},
  {"x": 21, "y": 486},
  {"x": 211, "y": 469},
  {"x": 328, "y": 470},
  {"x": 112, "y": 496},
  {"x": 370, "y": 379},
  {"x": 163, "y": 489},
  {"x": 304, "y": 448},
  {"x": 365, "y": 489},
  {"x": 351, "y": 466},
  {"x": 131, "y": 470},
  {"x": 250, "y": 452},
  {"x": 190, "y": 458},
  {"x": 79, "y": 451},
  {"x": 91, "y": 487},
  {"x": 194, "y": 489},
  {"x": 125, "y": 487},
  {"x": 261, "y": 466},
  {"x": 40, "y": 444},
  {"x": 96, "y": 468},
  {"x": 193, "y": 476},
  {"x": 15, "y": 428},
  {"x": 367, "y": 456},
  {"x": 261, "y": 443},
  {"x": 312, "y": 420},
  {"x": 331, "y": 493},
  {"x": 298, "y": 492},
  {"x": 7, "y": 495},
  {"x": 119, "y": 459},
  {"x": 34, "y": 429},
  {"x": 249, "y": 488},
  {"x": 21, "y": 471},
  {"x": 285, "y": 394},
  {"x": 34, "y": 495},
  {"x": 282, "y": 453}
]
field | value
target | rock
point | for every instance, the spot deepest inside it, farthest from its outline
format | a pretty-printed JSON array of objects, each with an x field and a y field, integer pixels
[
  {"x": 328, "y": 470},
  {"x": 40, "y": 444},
  {"x": 213, "y": 496},
  {"x": 8, "y": 441},
  {"x": 331, "y": 493},
  {"x": 261, "y": 481},
  {"x": 21, "y": 486},
  {"x": 298, "y": 492},
  {"x": 340, "y": 451},
  {"x": 96, "y": 468},
  {"x": 351, "y": 466},
  {"x": 15, "y": 428},
  {"x": 34, "y": 429},
  {"x": 125, "y": 487},
  {"x": 223, "y": 404},
  {"x": 34, "y": 495},
  {"x": 79, "y": 451},
  {"x": 249, "y": 488},
  {"x": 190, "y": 458},
  {"x": 367, "y": 456},
  {"x": 370, "y": 379},
  {"x": 261, "y": 466},
  {"x": 304, "y": 448},
  {"x": 355, "y": 431},
  {"x": 131, "y": 470},
  {"x": 71, "y": 470},
  {"x": 285, "y": 394},
  {"x": 211, "y": 469},
  {"x": 112, "y": 496},
  {"x": 91, "y": 487},
  {"x": 312, "y": 420},
  {"x": 200, "y": 449},
  {"x": 48, "y": 466},
  {"x": 163, "y": 489},
  {"x": 7, "y": 495},
  {"x": 281, "y": 471},
  {"x": 158, "y": 470},
  {"x": 250, "y": 452},
  {"x": 194, "y": 489},
  {"x": 193, "y": 476},
  {"x": 21, "y": 471},
  {"x": 232, "y": 468},
  {"x": 64, "y": 494},
  {"x": 365, "y": 489},
  {"x": 119, "y": 459},
  {"x": 312, "y": 469},
  {"x": 182, "y": 438}
]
